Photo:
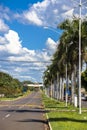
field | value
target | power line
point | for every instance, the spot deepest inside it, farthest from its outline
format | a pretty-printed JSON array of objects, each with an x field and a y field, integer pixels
[{"x": 26, "y": 61}]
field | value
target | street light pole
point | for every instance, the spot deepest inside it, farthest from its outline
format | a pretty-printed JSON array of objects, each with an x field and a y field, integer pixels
[
  {"x": 80, "y": 11},
  {"x": 80, "y": 15},
  {"x": 80, "y": 7}
]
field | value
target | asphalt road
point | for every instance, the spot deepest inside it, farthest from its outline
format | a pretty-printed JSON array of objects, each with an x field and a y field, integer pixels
[{"x": 23, "y": 114}]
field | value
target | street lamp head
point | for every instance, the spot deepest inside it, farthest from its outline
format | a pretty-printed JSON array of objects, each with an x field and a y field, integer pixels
[
  {"x": 45, "y": 27},
  {"x": 52, "y": 29}
]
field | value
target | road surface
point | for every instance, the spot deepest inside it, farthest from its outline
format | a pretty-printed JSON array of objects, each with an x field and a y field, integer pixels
[{"x": 23, "y": 114}]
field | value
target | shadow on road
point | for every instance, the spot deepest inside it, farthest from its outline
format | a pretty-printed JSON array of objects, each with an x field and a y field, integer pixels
[
  {"x": 25, "y": 110},
  {"x": 33, "y": 120}
]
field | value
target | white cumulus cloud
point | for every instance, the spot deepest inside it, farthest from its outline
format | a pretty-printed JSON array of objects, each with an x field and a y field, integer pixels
[
  {"x": 14, "y": 44},
  {"x": 45, "y": 13},
  {"x": 51, "y": 45},
  {"x": 32, "y": 18},
  {"x": 20, "y": 59}
]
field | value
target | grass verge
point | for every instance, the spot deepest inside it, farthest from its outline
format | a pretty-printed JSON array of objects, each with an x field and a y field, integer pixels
[
  {"x": 14, "y": 97},
  {"x": 64, "y": 118}
]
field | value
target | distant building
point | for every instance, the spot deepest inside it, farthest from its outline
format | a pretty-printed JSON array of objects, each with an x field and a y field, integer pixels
[
  {"x": 2, "y": 95},
  {"x": 35, "y": 85}
]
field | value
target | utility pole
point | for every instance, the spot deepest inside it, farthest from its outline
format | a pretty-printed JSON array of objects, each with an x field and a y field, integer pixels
[{"x": 80, "y": 9}]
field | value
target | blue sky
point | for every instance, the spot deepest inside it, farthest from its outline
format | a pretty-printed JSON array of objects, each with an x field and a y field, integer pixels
[
  {"x": 28, "y": 32},
  {"x": 33, "y": 36}
]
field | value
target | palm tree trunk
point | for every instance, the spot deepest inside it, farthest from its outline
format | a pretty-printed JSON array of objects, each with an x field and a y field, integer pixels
[
  {"x": 86, "y": 65},
  {"x": 54, "y": 88},
  {"x": 51, "y": 94},
  {"x": 77, "y": 89},
  {"x": 62, "y": 96},
  {"x": 60, "y": 89},
  {"x": 72, "y": 88},
  {"x": 57, "y": 86}
]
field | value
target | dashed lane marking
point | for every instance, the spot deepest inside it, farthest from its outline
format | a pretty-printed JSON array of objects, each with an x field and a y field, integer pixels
[{"x": 6, "y": 116}]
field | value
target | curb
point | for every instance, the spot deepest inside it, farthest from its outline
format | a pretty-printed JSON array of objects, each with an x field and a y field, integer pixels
[{"x": 48, "y": 122}]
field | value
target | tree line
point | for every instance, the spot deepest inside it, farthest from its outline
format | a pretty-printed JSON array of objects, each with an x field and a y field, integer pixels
[
  {"x": 9, "y": 86},
  {"x": 65, "y": 60},
  {"x": 12, "y": 87}
]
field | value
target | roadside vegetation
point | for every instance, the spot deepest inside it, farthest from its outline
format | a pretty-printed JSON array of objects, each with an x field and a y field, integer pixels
[
  {"x": 11, "y": 88},
  {"x": 61, "y": 80},
  {"x": 61, "y": 76},
  {"x": 84, "y": 79},
  {"x": 62, "y": 117}
]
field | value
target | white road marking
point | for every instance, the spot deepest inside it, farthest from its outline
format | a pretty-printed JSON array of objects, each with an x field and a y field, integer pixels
[{"x": 6, "y": 116}]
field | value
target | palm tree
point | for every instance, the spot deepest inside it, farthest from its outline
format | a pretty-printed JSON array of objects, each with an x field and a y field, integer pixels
[
  {"x": 61, "y": 57},
  {"x": 68, "y": 38},
  {"x": 46, "y": 80},
  {"x": 71, "y": 29}
]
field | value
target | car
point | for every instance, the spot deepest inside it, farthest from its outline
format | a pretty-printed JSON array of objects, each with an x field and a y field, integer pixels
[{"x": 83, "y": 97}]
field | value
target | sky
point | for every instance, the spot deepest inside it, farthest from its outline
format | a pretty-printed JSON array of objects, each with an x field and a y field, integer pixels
[{"x": 29, "y": 34}]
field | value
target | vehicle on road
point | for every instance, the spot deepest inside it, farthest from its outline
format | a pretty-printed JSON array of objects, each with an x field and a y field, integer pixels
[{"x": 84, "y": 97}]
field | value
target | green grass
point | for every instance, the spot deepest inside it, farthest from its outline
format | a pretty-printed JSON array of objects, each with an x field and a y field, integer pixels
[
  {"x": 64, "y": 118},
  {"x": 68, "y": 120},
  {"x": 10, "y": 98},
  {"x": 14, "y": 97},
  {"x": 52, "y": 104}
]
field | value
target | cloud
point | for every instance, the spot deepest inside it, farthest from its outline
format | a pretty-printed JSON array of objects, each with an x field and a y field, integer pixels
[
  {"x": 2, "y": 40},
  {"x": 4, "y": 16},
  {"x": 13, "y": 43},
  {"x": 51, "y": 45},
  {"x": 49, "y": 12},
  {"x": 19, "y": 59},
  {"x": 3, "y": 26},
  {"x": 10, "y": 43},
  {"x": 5, "y": 13},
  {"x": 38, "y": 13},
  {"x": 32, "y": 18},
  {"x": 69, "y": 14}
]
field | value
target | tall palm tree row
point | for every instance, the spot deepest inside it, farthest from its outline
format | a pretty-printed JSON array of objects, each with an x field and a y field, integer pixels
[{"x": 65, "y": 61}]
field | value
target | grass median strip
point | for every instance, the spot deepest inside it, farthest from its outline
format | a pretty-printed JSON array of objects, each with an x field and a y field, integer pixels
[{"x": 64, "y": 118}]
